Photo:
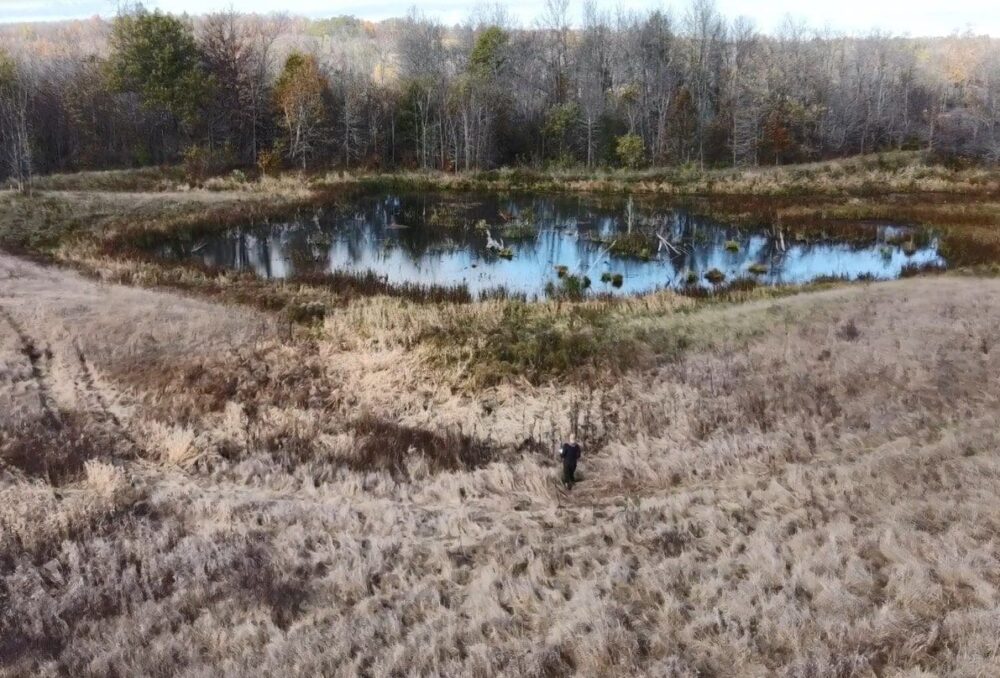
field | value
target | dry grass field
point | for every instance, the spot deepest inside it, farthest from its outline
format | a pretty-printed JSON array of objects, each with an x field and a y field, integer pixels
[{"x": 798, "y": 486}]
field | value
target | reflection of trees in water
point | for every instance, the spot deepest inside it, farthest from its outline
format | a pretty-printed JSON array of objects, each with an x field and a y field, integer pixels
[
  {"x": 362, "y": 235},
  {"x": 252, "y": 252},
  {"x": 772, "y": 254}
]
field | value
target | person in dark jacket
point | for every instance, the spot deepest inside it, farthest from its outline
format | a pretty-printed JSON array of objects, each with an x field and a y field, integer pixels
[{"x": 570, "y": 454}]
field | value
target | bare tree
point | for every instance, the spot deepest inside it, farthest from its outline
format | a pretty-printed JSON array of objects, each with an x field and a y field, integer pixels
[
  {"x": 743, "y": 92},
  {"x": 15, "y": 128},
  {"x": 237, "y": 50},
  {"x": 593, "y": 74},
  {"x": 695, "y": 88},
  {"x": 706, "y": 32}
]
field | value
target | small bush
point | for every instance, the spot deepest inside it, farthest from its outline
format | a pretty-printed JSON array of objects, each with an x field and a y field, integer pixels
[
  {"x": 849, "y": 331},
  {"x": 630, "y": 150},
  {"x": 201, "y": 162},
  {"x": 613, "y": 279},
  {"x": 572, "y": 287},
  {"x": 270, "y": 161}
]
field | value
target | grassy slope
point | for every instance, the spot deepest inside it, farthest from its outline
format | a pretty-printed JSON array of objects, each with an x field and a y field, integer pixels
[
  {"x": 802, "y": 485},
  {"x": 816, "y": 497}
]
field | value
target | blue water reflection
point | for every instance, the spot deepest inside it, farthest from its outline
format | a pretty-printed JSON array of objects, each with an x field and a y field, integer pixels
[{"x": 443, "y": 240}]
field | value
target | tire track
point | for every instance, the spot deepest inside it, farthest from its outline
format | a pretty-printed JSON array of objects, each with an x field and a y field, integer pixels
[
  {"x": 86, "y": 384},
  {"x": 38, "y": 361}
]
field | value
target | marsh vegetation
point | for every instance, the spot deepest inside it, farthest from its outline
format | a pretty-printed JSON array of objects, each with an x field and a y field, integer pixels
[
  {"x": 764, "y": 496},
  {"x": 346, "y": 473}
]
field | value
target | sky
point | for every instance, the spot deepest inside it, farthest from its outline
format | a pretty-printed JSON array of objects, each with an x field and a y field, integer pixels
[{"x": 899, "y": 17}]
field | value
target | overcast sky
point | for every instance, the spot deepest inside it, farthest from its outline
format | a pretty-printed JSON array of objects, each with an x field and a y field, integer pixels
[{"x": 916, "y": 17}]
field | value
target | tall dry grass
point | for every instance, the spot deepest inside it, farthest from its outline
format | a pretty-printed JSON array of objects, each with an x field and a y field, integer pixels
[
  {"x": 814, "y": 495},
  {"x": 869, "y": 175}
]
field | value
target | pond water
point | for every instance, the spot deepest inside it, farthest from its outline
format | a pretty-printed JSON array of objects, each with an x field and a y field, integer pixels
[{"x": 621, "y": 246}]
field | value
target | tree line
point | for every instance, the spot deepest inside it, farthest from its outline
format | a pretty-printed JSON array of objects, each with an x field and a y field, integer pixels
[{"x": 629, "y": 89}]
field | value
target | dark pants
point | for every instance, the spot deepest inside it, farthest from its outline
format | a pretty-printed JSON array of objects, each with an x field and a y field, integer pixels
[{"x": 569, "y": 472}]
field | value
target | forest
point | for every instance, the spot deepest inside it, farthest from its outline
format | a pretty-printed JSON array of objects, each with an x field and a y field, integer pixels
[{"x": 689, "y": 87}]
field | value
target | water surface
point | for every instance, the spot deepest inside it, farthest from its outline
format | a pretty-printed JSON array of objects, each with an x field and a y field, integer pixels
[{"x": 443, "y": 239}]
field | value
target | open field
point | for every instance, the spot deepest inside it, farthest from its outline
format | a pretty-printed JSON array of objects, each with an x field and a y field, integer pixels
[
  {"x": 817, "y": 499},
  {"x": 205, "y": 473}
]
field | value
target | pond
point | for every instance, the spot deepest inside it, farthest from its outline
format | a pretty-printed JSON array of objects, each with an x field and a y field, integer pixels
[{"x": 525, "y": 243}]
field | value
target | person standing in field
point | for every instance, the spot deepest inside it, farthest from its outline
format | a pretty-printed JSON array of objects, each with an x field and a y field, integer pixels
[{"x": 570, "y": 452}]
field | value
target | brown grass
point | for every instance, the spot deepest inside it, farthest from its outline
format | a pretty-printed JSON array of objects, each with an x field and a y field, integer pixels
[
  {"x": 861, "y": 176},
  {"x": 793, "y": 485},
  {"x": 55, "y": 448},
  {"x": 812, "y": 494}
]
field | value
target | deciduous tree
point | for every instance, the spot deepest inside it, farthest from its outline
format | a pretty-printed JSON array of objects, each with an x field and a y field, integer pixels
[{"x": 299, "y": 95}]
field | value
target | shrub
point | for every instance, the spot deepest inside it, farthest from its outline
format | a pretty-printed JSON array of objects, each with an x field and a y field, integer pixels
[
  {"x": 201, "y": 162},
  {"x": 196, "y": 164},
  {"x": 572, "y": 287},
  {"x": 306, "y": 313},
  {"x": 849, "y": 331},
  {"x": 270, "y": 161},
  {"x": 635, "y": 244},
  {"x": 630, "y": 150},
  {"x": 55, "y": 449}
]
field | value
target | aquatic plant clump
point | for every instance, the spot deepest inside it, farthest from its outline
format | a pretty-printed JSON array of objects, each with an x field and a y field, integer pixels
[
  {"x": 636, "y": 244},
  {"x": 614, "y": 279},
  {"x": 715, "y": 276}
]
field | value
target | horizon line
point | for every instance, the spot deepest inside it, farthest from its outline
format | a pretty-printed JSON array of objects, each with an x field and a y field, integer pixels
[{"x": 823, "y": 30}]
